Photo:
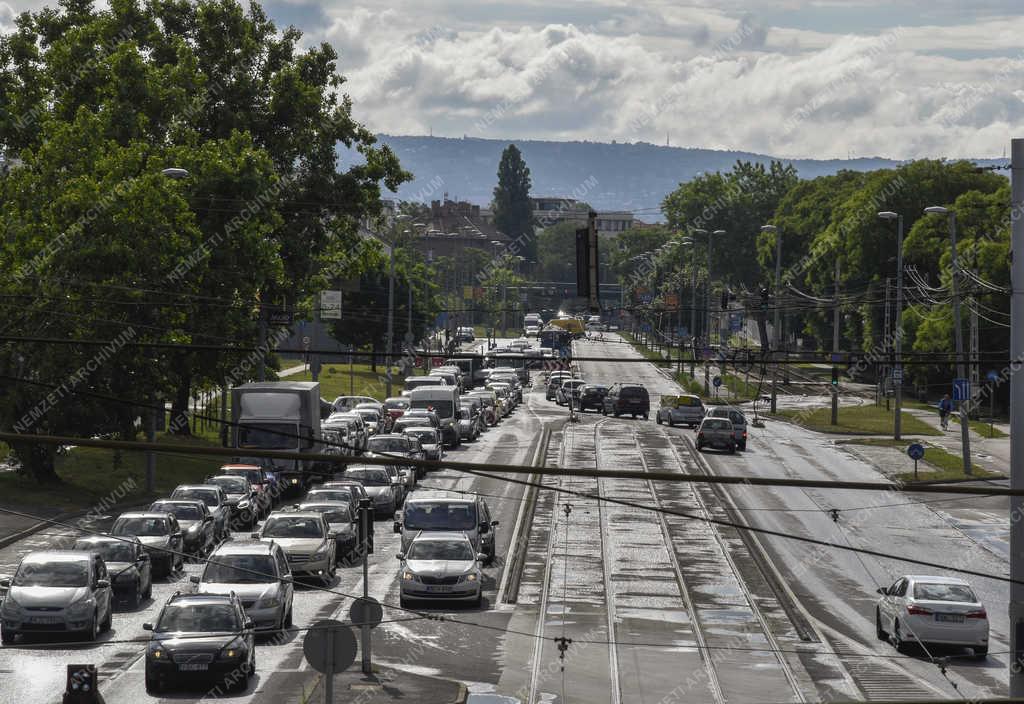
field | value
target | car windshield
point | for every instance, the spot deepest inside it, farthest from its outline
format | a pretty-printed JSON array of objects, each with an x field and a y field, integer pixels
[
  {"x": 335, "y": 514},
  {"x": 59, "y": 573},
  {"x": 388, "y": 445},
  {"x": 207, "y": 496},
  {"x": 238, "y": 569},
  {"x": 183, "y": 512},
  {"x": 944, "y": 592},
  {"x": 292, "y": 527},
  {"x": 269, "y": 436},
  {"x": 427, "y": 437},
  {"x": 369, "y": 477},
  {"x": 687, "y": 401},
  {"x": 368, "y": 414},
  {"x": 440, "y": 550},
  {"x": 443, "y": 409},
  {"x": 331, "y": 495},
  {"x": 140, "y": 526},
  {"x": 396, "y": 403},
  {"x": 197, "y": 618},
  {"x": 232, "y": 485},
  {"x": 632, "y": 392},
  {"x": 716, "y": 424},
  {"x": 440, "y": 515},
  {"x": 110, "y": 552}
]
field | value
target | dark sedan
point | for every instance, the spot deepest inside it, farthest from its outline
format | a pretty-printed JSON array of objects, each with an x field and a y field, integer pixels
[
  {"x": 128, "y": 566},
  {"x": 592, "y": 396}
]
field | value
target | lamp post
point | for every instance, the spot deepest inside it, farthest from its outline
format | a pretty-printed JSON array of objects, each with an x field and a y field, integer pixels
[
  {"x": 778, "y": 296},
  {"x": 898, "y": 366},
  {"x": 958, "y": 334},
  {"x": 716, "y": 233},
  {"x": 707, "y": 299}
]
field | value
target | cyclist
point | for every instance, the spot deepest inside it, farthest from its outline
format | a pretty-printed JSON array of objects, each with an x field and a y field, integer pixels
[{"x": 945, "y": 408}]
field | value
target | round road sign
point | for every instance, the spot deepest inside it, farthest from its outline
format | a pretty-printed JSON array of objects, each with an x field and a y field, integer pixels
[
  {"x": 366, "y": 611},
  {"x": 306, "y": 340},
  {"x": 315, "y": 644},
  {"x": 717, "y": 381},
  {"x": 916, "y": 451},
  {"x": 992, "y": 376}
]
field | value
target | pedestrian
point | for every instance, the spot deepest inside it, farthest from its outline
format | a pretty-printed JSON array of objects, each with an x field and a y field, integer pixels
[{"x": 945, "y": 408}]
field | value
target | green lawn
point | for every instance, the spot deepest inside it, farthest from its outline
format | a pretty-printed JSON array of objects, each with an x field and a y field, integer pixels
[
  {"x": 335, "y": 381},
  {"x": 89, "y": 475},
  {"x": 868, "y": 419},
  {"x": 739, "y": 387},
  {"x": 939, "y": 463},
  {"x": 983, "y": 428}
]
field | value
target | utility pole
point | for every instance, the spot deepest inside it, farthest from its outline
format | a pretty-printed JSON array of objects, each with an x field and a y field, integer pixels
[
  {"x": 693, "y": 307},
  {"x": 887, "y": 338},
  {"x": 897, "y": 371},
  {"x": 261, "y": 363},
  {"x": 778, "y": 301},
  {"x": 835, "y": 347},
  {"x": 391, "y": 315},
  {"x": 975, "y": 371},
  {"x": 504, "y": 319},
  {"x": 1016, "y": 662}
]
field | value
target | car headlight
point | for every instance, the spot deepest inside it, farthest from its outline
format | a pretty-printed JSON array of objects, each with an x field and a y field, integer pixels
[
  {"x": 471, "y": 577},
  {"x": 10, "y": 607},
  {"x": 80, "y": 608},
  {"x": 322, "y": 550},
  {"x": 156, "y": 651},
  {"x": 235, "y": 650},
  {"x": 409, "y": 576},
  {"x": 271, "y": 602},
  {"x": 194, "y": 529}
]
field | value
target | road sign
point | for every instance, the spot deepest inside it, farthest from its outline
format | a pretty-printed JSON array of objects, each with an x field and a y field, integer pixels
[
  {"x": 280, "y": 318},
  {"x": 916, "y": 451},
  {"x": 961, "y": 389},
  {"x": 332, "y": 635},
  {"x": 306, "y": 340},
  {"x": 682, "y": 332},
  {"x": 735, "y": 322},
  {"x": 897, "y": 374},
  {"x": 992, "y": 376},
  {"x": 366, "y": 611},
  {"x": 717, "y": 381},
  {"x": 330, "y": 305}
]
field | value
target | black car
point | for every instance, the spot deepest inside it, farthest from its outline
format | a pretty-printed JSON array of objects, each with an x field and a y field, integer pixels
[
  {"x": 627, "y": 399},
  {"x": 242, "y": 503},
  {"x": 592, "y": 396},
  {"x": 159, "y": 534},
  {"x": 201, "y": 636},
  {"x": 128, "y": 565},
  {"x": 195, "y": 521}
]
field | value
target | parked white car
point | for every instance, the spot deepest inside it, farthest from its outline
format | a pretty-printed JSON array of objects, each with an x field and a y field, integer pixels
[{"x": 927, "y": 609}]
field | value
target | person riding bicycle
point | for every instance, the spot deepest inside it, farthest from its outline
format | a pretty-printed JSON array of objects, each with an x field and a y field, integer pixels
[{"x": 945, "y": 408}]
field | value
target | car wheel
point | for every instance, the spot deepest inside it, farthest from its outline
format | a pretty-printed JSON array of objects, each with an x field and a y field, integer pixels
[
  {"x": 616, "y": 414},
  {"x": 897, "y": 639},
  {"x": 671, "y": 423},
  {"x": 478, "y": 601},
  {"x": 149, "y": 588},
  {"x": 288, "y": 618},
  {"x": 981, "y": 652},
  {"x": 93, "y": 631},
  {"x": 743, "y": 446},
  {"x": 105, "y": 626},
  {"x": 137, "y": 597},
  {"x": 732, "y": 449},
  {"x": 879, "y": 631},
  {"x": 646, "y": 416},
  {"x": 700, "y": 446},
  {"x": 403, "y": 602},
  {"x": 7, "y": 636},
  {"x": 152, "y": 684}
]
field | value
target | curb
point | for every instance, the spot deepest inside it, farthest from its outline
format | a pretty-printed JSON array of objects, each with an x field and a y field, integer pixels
[{"x": 8, "y": 540}]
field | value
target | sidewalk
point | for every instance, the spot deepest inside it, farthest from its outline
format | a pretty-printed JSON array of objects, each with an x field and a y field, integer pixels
[
  {"x": 992, "y": 454},
  {"x": 386, "y": 685}
]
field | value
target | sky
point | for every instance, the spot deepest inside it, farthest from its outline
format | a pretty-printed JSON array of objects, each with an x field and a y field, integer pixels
[{"x": 794, "y": 78}]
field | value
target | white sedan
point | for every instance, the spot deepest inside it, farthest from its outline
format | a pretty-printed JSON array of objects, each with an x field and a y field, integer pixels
[{"x": 927, "y": 609}]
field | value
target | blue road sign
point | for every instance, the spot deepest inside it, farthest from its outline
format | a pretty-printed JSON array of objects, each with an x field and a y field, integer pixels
[
  {"x": 836, "y": 357},
  {"x": 992, "y": 376},
  {"x": 916, "y": 451},
  {"x": 961, "y": 389},
  {"x": 717, "y": 381},
  {"x": 682, "y": 332},
  {"x": 646, "y": 327},
  {"x": 897, "y": 373},
  {"x": 735, "y": 322}
]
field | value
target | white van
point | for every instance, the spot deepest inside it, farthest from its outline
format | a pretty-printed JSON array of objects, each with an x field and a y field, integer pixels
[{"x": 444, "y": 401}]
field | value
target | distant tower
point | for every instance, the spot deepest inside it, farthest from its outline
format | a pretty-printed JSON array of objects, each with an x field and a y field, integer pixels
[{"x": 666, "y": 139}]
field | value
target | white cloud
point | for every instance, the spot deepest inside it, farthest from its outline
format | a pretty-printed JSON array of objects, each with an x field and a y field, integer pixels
[{"x": 6, "y": 17}]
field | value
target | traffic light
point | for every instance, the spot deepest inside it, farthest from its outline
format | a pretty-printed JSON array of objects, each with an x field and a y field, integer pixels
[
  {"x": 764, "y": 296},
  {"x": 835, "y": 376}
]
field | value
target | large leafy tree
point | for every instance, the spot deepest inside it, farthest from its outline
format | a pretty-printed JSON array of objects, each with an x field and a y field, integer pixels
[{"x": 513, "y": 214}]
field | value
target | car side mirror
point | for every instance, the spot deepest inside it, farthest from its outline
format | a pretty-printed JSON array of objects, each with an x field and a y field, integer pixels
[
  {"x": 287, "y": 579},
  {"x": 494, "y": 523},
  {"x": 884, "y": 591},
  {"x": 249, "y": 624},
  {"x": 396, "y": 483},
  {"x": 400, "y": 556},
  {"x": 484, "y": 527},
  {"x": 5, "y": 582},
  {"x": 147, "y": 626},
  {"x": 176, "y": 534},
  {"x": 331, "y": 535},
  {"x": 207, "y": 519},
  {"x": 144, "y": 557},
  {"x": 481, "y": 557},
  {"x": 194, "y": 579},
  {"x": 102, "y": 583}
]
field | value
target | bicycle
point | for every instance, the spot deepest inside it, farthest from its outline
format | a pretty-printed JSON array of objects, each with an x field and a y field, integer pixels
[{"x": 944, "y": 420}]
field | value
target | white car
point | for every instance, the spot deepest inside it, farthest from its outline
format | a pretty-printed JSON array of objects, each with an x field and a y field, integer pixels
[
  {"x": 927, "y": 609},
  {"x": 532, "y": 331},
  {"x": 441, "y": 565}
]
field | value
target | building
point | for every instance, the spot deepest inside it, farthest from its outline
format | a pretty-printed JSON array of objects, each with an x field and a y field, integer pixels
[
  {"x": 549, "y": 211},
  {"x": 451, "y": 227}
]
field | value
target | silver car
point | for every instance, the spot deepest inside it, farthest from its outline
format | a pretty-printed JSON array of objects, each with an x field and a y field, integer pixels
[
  {"x": 738, "y": 420},
  {"x": 380, "y": 487},
  {"x": 57, "y": 591},
  {"x": 716, "y": 432},
  {"x": 341, "y": 520},
  {"x": 441, "y": 565},
  {"x": 215, "y": 499},
  {"x": 258, "y": 573},
  {"x": 159, "y": 533},
  {"x": 306, "y": 539}
]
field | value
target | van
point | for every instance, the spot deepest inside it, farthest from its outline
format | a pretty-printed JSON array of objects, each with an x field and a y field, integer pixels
[
  {"x": 516, "y": 360},
  {"x": 680, "y": 410},
  {"x": 416, "y": 382},
  {"x": 631, "y": 399},
  {"x": 444, "y": 401},
  {"x": 427, "y": 511}
]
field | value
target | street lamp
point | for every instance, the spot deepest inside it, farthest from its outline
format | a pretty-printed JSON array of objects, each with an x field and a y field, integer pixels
[
  {"x": 716, "y": 233},
  {"x": 957, "y": 330},
  {"x": 898, "y": 366},
  {"x": 176, "y": 173},
  {"x": 778, "y": 297}
]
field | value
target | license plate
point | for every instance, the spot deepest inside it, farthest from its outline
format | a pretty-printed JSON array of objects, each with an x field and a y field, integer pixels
[
  {"x": 950, "y": 618},
  {"x": 45, "y": 619},
  {"x": 194, "y": 667},
  {"x": 439, "y": 588}
]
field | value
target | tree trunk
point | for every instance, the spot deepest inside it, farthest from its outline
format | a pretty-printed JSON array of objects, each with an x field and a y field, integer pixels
[
  {"x": 38, "y": 461},
  {"x": 179, "y": 424},
  {"x": 373, "y": 359}
]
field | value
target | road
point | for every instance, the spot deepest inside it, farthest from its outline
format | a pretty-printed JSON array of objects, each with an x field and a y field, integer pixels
[{"x": 649, "y": 606}]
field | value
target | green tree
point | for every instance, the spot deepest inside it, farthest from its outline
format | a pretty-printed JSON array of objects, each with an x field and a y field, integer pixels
[
  {"x": 513, "y": 213},
  {"x": 556, "y": 251}
]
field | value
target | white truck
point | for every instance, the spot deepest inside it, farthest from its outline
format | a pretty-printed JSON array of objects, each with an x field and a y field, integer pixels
[{"x": 279, "y": 415}]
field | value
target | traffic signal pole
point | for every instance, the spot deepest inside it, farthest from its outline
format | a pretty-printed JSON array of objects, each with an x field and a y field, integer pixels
[
  {"x": 1016, "y": 663},
  {"x": 835, "y": 350}
]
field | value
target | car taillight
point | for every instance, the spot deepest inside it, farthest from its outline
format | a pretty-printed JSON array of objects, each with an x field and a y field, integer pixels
[
  {"x": 918, "y": 611},
  {"x": 744, "y": 434},
  {"x": 976, "y": 614},
  {"x": 700, "y": 435}
]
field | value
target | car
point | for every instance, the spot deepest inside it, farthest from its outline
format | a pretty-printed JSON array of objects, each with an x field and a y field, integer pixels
[
  {"x": 716, "y": 432},
  {"x": 532, "y": 331},
  {"x": 468, "y": 428},
  {"x": 396, "y": 406},
  {"x": 261, "y": 483},
  {"x": 569, "y": 392},
  {"x": 159, "y": 533},
  {"x": 591, "y": 396},
  {"x": 373, "y": 418},
  {"x": 342, "y": 522},
  {"x": 200, "y": 636},
  {"x": 351, "y": 432},
  {"x": 215, "y": 500},
  {"x": 464, "y": 334},
  {"x": 243, "y": 509},
  {"x": 507, "y": 376},
  {"x": 306, "y": 539},
  {"x": 489, "y": 401},
  {"x": 57, "y": 591},
  {"x": 685, "y": 409},
  {"x": 195, "y": 522},
  {"x": 627, "y": 398},
  {"x": 424, "y": 416},
  {"x": 418, "y": 382},
  {"x": 380, "y": 487},
  {"x": 343, "y": 494},
  {"x": 450, "y": 378},
  {"x": 439, "y": 510},
  {"x": 930, "y": 609},
  {"x": 505, "y": 396},
  {"x": 347, "y": 403},
  {"x": 401, "y": 445},
  {"x": 129, "y": 568},
  {"x": 555, "y": 380},
  {"x": 258, "y": 573},
  {"x": 358, "y": 490},
  {"x": 440, "y": 565},
  {"x": 738, "y": 420},
  {"x": 430, "y": 441}
]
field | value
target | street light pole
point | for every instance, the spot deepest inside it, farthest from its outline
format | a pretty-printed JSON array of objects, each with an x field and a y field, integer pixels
[
  {"x": 778, "y": 298},
  {"x": 898, "y": 366},
  {"x": 1016, "y": 661},
  {"x": 391, "y": 314},
  {"x": 958, "y": 335}
]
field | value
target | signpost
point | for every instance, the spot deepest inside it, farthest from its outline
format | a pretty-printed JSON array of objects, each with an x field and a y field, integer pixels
[
  {"x": 330, "y": 305},
  {"x": 717, "y": 381},
  {"x": 961, "y": 389},
  {"x": 916, "y": 452},
  {"x": 329, "y": 647},
  {"x": 366, "y": 532},
  {"x": 993, "y": 379}
]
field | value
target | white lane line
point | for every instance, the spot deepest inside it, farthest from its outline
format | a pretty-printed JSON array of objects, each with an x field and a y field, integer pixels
[{"x": 606, "y": 564}]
